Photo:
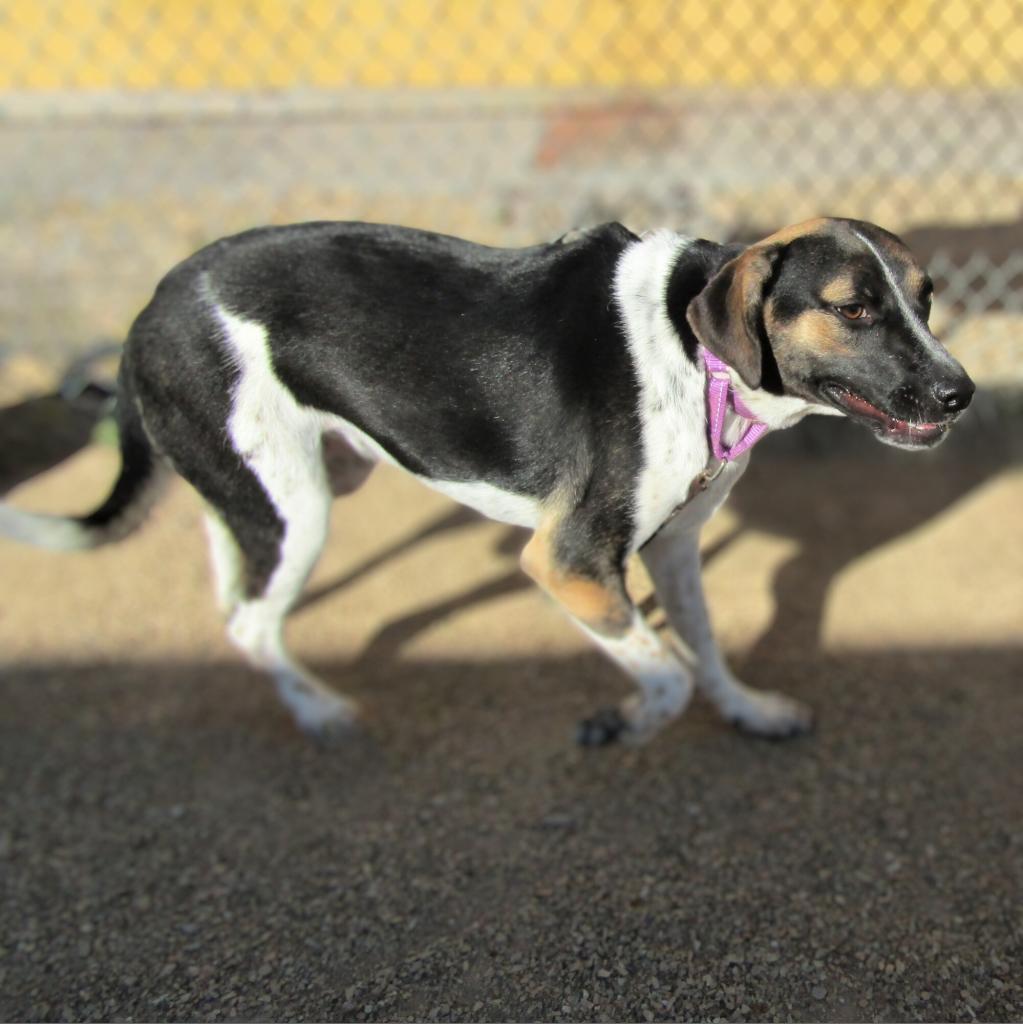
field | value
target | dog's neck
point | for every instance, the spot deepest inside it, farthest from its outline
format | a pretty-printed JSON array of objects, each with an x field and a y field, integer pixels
[
  {"x": 722, "y": 398},
  {"x": 695, "y": 262},
  {"x": 776, "y": 411}
]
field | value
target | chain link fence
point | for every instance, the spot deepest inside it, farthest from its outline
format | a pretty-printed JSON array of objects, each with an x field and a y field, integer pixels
[{"x": 135, "y": 131}]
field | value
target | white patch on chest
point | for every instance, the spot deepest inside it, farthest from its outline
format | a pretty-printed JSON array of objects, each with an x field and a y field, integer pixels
[{"x": 671, "y": 389}]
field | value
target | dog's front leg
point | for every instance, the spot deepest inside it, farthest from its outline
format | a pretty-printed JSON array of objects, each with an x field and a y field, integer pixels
[
  {"x": 673, "y": 561},
  {"x": 595, "y": 596}
]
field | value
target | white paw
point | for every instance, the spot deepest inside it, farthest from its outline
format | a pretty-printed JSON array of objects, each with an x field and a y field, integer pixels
[
  {"x": 765, "y": 713},
  {"x": 318, "y": 711},
  {"x": 632, "y": 724},
  {"x": 646, "y": 717},
  {"x": 334, "y": 724}
]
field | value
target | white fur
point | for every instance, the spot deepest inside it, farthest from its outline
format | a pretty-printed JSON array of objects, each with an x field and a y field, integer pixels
[
  {"x": 778, "y": 411},
  {"x": 226, "y": 560},
  {"x": 671, "y": 388},
  {"x": 675, "y": 450},
  {"x": 493, "y": 502},
  {"x": 673, "y": 562},
  {"x": 280, "y": 441},
  {"x": 665, "y": 684}
]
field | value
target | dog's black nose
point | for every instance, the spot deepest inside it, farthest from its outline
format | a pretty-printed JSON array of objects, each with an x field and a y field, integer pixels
[{"x": 955, "y": 395}]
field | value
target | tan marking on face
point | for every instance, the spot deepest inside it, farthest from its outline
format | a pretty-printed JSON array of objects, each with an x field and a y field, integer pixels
[
  {"x": 913, "y": 278},
  {"x": 596, "y": 605},
  {"x": 817, "y": 330},
  {"x": 816, "y": 226},
  {"x": 892, "y": 247},
  {"x": 839, "y": 290}
]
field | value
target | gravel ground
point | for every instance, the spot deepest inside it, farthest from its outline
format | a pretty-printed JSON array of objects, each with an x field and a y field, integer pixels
[{"x": 171, "y": 849}]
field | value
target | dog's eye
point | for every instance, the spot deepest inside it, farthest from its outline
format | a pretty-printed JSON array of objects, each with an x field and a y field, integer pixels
[{"x": 853, "y": 311}]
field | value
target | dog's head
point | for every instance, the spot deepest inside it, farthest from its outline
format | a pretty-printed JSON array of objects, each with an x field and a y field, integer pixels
[{"x": 835, "y": 312}]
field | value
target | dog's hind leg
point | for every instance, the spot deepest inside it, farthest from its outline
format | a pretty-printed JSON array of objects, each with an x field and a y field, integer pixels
[
  {"x": 278, "y": 555},
  {"x": 267, "y": 523},
  {"x": 239, "y": 436},
  {"x": 226, "y": 561},
  {"x": 257, "y": 628},
  {"x": 346, "y": 472},
  {"x": 673, "y": 562}
]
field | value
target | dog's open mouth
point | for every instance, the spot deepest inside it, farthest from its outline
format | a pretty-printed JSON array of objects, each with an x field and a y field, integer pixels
[{"x": 904, "y": 433}]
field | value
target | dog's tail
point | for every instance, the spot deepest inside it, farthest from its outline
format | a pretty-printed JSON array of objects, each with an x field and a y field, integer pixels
[{"x": 134, "y": 493}]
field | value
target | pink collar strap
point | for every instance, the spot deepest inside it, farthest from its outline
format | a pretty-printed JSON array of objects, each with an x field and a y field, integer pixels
[{"x": 721, "y": 394}]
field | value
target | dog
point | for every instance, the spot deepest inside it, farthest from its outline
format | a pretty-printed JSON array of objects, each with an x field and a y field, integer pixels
[{"x": 603, "y": 390}]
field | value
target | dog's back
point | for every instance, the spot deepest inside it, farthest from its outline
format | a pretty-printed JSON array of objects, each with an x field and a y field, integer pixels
[{"x": 358, "y": 324}]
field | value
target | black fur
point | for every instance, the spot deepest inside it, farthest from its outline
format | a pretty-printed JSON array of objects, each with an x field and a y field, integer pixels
[
  {"x": 175, "y": 369},
  {"x": 360, "y": 320},
  {"x": 138, "y": 464},
  {"x": 464, "y": 362},
  {"x": 702, "y": 260}
]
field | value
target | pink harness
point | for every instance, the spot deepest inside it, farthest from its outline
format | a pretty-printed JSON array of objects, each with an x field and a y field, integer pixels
[{"x": 719, "y": 394}]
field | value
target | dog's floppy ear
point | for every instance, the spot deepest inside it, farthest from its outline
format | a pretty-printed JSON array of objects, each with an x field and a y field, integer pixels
[{"x": 727, "y": 316}]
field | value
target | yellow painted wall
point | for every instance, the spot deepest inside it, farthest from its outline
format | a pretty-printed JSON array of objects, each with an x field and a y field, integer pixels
[{"x": 252, "y": 45}]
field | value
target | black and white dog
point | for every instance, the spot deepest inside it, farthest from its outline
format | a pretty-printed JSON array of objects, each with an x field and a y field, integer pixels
[{"x": 562, "y": 387}]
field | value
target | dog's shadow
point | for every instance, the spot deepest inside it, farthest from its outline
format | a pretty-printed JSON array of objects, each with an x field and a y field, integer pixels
[
  {"x": 389, "y": 640},
  {"x": 828, "y": 486},
  {"x": 840, "y": 496},
  {"x": 41, "y": 432}
]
